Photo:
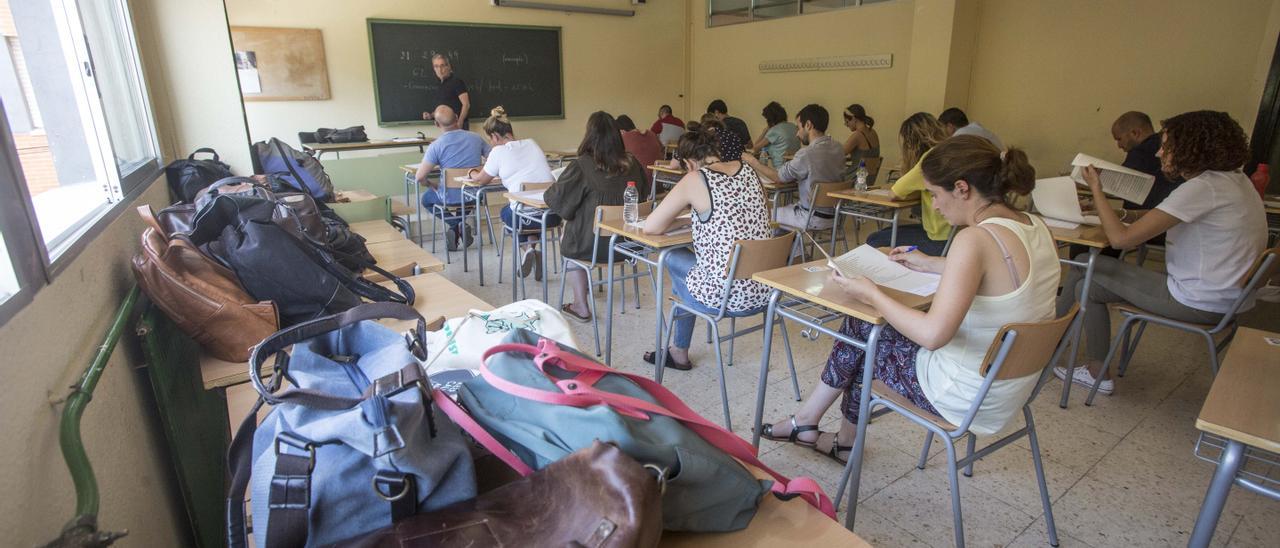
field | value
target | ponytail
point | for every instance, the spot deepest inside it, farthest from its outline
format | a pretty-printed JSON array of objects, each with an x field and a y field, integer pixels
[
  {"x": 1015, "y": 175},
  {"x": 989, "y": 172}
]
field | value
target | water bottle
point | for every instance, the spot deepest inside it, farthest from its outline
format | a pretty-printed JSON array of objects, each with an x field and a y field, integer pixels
[
  {"x": 631, "y": 204},
  {"x": 860, "y": 177}
]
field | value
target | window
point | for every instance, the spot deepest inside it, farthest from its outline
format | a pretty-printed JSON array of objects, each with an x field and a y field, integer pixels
[
  {"x": 79, "y": 135},
  {"x": 729, "y": 12}
]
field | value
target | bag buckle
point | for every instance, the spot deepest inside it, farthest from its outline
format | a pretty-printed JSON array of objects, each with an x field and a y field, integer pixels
[
  {"x": 394, "y": 383},
  {"x": 403, "y": 482},
  {"x": 292, "y": 440},
  {"x": 660, "y": 474}
]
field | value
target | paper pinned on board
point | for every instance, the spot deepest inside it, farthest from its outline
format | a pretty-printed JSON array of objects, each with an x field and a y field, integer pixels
[
  {"x": 1117, "y": 180},
  {"x": 1056, "y": 200}
]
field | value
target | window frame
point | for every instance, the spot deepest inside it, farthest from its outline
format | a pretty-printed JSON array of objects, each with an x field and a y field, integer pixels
[
  {"x": 758, "y": 4},
  {"x": 28, "y": 253}
]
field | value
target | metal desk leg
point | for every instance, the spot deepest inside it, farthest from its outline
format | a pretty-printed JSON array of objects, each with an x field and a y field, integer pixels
[
  {"x": 608, "y": 319},
  {"x": 480, "y": 240},
  {"x": 893, "y": 232},
  {"x": 542, "y": 253},
  {"x": 657, "y": 299},
  {"x": 864, "y": 415},
  {"x": 1216, "y": 497},
  {"x": 653, "y": 188},
  {"x": 774, "y": 296},
  {"x": 1078, "y": 326},
  {"x": 515, "y": 255}
]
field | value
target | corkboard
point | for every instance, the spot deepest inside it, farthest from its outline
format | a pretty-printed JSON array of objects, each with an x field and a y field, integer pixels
[{"x": 290, "y": 63}]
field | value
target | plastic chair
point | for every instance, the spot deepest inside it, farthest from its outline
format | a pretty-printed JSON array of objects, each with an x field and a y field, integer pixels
[
  {"x": 820, "y": 197},
  {"x": 747, "y": 258},
  {"x": 1263, "y": 271},
  {"x": 1018, "y": 350},
  {"x": 606, "y": 213}
]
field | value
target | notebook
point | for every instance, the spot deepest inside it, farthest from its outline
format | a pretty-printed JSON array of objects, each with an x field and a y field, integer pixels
[
  {"x": 1056, "y": 200},
  {"x": 868, "y": 261},
  {"x": 1117, "y": 180}
]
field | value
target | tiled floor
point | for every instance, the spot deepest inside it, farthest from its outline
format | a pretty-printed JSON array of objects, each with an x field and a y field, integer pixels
[{"x": 1120, "y": 473}]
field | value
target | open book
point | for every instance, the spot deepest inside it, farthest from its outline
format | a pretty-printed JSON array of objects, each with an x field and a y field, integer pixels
[
  {"x": 1056, "y": 200},
  {"x": 868, "y": 261},
  {"x": 1117, "y": 180}
]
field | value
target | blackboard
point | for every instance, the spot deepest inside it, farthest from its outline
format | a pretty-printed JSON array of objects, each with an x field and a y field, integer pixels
[{"x": 517, "y": 67}]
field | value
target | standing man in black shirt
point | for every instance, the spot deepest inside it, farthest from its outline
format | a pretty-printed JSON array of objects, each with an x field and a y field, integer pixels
[{"x": 452, "y": 91}]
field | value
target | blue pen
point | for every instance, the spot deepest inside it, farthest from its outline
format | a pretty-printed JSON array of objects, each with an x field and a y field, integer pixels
[{"x": 910, "y": 248}]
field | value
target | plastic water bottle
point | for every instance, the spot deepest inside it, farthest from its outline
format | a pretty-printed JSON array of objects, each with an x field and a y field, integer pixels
[
  {"x": 631, "y": 204},
  {"x": 860, "y": 177}
]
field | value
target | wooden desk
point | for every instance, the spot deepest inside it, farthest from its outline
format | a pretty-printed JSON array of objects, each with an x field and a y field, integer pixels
[
  {"x": 350, "y": 196},
  {"x": 559, "y": 156},
  {"x": 376, "y": 231},
  {"x": 318, "y": 149},
  {"x": 1095, "y": 239},
  {"x": 1243, "y": 407},
  {"x": 394, "y": 254},
  {"x": 663, "y": 245},
  {"x": 663, "y": 175},
  {"x": 790, "y": 523},
  {"x": 872, "y": 205},
  {"x": 805, "y": 286},
  {"x": 437, "y": 296}
]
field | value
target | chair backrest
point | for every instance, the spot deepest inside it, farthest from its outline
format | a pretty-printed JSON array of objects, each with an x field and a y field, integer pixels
[
  {"x": 1263, "y": 270},
  {"x": 1032, "y": 347},
  {"x": 873, "y": 166},
  {"x": 525, "y": 187},
  {"x": 451, "y": 175},
  {"x": 822, "y": 193},
  {"x": 760, "y": 255}
]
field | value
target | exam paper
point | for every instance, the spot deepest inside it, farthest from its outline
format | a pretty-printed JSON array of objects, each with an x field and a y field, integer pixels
[
  {"x": 870, "y": 262},
  {"x": 1117, "y": 180},
  {"x": 1055, "y": 199}
]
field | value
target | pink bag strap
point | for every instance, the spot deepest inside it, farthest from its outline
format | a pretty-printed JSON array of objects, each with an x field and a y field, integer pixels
[
  {"x": 464, "y": 420},
  {"x": 580, "y": 391}
]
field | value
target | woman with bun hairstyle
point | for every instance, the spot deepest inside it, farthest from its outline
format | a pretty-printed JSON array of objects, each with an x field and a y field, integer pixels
[
  {"x": 515, "y": 162},
  {"x": 728, "y": 204},
  {"x": 1004, "y": 269},
  {"x": 864, "y": 142}
]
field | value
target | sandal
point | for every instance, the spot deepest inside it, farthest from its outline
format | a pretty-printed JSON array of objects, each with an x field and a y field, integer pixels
[
  {"x": 766, "y": 432},
  {"x": 834, "y": 452},
  {"x": 568, "y": 310},
  {"x": 650, "y": 357}
]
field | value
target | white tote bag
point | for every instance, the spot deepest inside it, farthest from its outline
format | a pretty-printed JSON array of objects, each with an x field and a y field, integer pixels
[{"x": 462, "y": 341}]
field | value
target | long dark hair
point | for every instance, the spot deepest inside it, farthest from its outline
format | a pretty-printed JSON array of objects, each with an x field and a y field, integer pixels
[{"x": 603, "y": 144}]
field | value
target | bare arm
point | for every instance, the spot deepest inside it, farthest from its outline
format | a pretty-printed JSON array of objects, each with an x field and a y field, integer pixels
[
  {"x": 480, "y": 176},
  {"x": 465, "y": 99},
  {"x": 424, "y": 169},
  {"x": 1148, "y": 225},
  {"x": 764, "y": 170},
  {"x": 763, "y": 141},
  {"x": 680, "y": 197},
  {"x": 936, "y": 327}
]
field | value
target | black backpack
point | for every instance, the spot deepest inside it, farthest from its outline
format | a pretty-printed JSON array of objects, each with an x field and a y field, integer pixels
[
  {"x": 353, "y": 134},
  {"x": 301, "y": 276},
  {"x": 189, "y": 176}
]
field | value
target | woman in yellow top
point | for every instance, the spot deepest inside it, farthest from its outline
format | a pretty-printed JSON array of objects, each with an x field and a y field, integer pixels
[{"x": 918, "y": 135}]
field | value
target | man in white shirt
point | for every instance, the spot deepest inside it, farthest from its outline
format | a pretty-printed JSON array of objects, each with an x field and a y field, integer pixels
[{"x": 956, "y": 123}]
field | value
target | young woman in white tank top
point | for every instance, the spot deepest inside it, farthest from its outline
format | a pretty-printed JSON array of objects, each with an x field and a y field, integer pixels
[{"x": 1006, "y": 271}]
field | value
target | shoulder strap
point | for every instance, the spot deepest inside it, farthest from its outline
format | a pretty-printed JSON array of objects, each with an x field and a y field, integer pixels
[
  {"x": 580, "y": 391},
  {"x": 1008, "y": 259},
  {"x": 464, "y": 420}
]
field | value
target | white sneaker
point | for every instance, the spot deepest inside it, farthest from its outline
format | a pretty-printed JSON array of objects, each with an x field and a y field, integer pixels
[
  {"x": 527, "y": 261},
  {"x": 1082, "y": 377}
]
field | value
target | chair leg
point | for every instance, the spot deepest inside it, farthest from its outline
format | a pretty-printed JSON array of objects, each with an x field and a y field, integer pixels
[
  {"x": 660, "y": 356},
  {"x": 733, "y": 330},
  {"x": 1131, "y": 346},
  {"x": 724, "y": 387},
  {"x": 957, "y": 518},
  {"x": 1106, "y": 362},
  {"x": 924, "y": 453},
  {"x": 562, "y": 279},
  {"x": 435, "y": 232},
  {"x": 501, "y": 255},
  {"x": 635, "y": 283},
  {"x": 595, "y": 320},
  {"x": 1040, "y": 481},
  {"x": 1213, "y": 352},
  {"x": 791, "y": 362},
  {"x": 968, "y": 470},
  {"x": 622, "y": 285}
]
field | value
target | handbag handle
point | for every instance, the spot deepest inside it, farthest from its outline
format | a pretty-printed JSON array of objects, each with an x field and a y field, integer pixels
[
  {"x": 580, "y": 391},
  {"x": 149, "y": 216},
  {"x": 284, "y": 338},
  {"x": 204, "y": 149},
  {"x": 464, "y": 420}
]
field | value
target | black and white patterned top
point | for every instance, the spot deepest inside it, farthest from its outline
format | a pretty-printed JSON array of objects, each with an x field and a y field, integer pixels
[{"x": 737, "y": 213}]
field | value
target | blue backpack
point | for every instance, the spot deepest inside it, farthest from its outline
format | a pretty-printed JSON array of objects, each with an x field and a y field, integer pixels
[
  {"x": 354, "y": 445},
  {"x": 298, "y": 169}
]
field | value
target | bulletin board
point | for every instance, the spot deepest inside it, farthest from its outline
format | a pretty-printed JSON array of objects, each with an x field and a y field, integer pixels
[{"x": 280, "y": 64}]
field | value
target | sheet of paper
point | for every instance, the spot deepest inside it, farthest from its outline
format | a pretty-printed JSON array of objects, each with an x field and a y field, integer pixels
[
  {"x": 1117, "y": 180},
  {"x": 1055, "y": 223},
  {"x": 870, "y": 262},
  {"x": 1055, "y": 198},
  {"x": 405, "y": 139}
]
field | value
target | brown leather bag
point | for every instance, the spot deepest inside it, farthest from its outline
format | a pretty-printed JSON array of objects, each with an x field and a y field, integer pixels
[
  {"x": 201, "y": 296},
  {"x": 597, "y": 497}
]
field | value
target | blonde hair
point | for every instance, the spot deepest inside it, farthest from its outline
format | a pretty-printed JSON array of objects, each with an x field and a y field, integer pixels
[
  {"x": 918, "y": 134},
  {"x": 497, "y": 123}
]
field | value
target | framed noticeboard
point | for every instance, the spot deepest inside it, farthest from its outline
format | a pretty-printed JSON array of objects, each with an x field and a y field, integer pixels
[{"x": 280, "y": 64}]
